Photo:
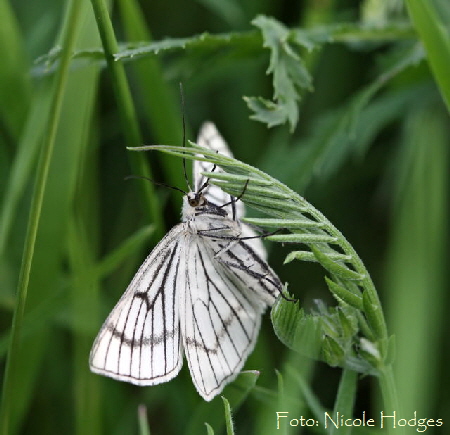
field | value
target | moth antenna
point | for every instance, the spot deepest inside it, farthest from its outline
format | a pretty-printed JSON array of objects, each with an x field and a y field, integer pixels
[
  {"x": 206, "y": 183},
  {"x": 184, "y": 134},
  {"x": 128, "y": 177}
]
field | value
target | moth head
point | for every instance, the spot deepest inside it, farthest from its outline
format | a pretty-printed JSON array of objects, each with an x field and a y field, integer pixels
[
  {"x": 195, "y": 204},
  {"x": 196, "y": 199}
]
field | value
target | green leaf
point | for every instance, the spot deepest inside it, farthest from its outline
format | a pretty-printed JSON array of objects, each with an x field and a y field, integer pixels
[
  {"x": 209, "y": 429},
  {"x": 328, "y": 335},
  {"x": 242, "y": 179},
  {"x": 332, "y": 351},
  {"x": 282, "y": 223},
  {"x": 345, "y": 295},
  {"x": 296, "y": 330},
  {"x": 309, "y": 256},
  {"x": 252, "y": 190},
  {"x": 335, "y": 268},
  {"x": 373, "y": 315},
  {"x": 266, "y": 111},
  {"x": 289, "y": 76},
  {"x": 302, "y": 238}
]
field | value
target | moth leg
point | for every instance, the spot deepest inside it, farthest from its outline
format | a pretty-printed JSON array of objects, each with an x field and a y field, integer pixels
[
  {"x": 224, "y": 249},
  {"x": 259, "y": 276}
]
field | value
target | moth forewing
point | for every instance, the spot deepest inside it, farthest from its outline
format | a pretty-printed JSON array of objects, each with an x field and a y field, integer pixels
[{"x": 140, "y": 340}]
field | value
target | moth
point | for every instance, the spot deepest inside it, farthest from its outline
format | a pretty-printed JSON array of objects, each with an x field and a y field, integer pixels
[{"x": 201, "y": 292}]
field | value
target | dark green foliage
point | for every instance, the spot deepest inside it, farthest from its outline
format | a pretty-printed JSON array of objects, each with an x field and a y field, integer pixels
[{"x": 358, "y": 99}]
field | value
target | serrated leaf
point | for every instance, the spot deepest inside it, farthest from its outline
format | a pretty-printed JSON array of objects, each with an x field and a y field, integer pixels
[
  {"x": 296, "y": 330},
  {"x": 290, "y": 76},
  {"x": 266, "y": 111},
  {"x": 303, "y": 39}
]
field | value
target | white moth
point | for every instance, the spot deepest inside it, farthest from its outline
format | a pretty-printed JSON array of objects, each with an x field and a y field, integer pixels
[{"x": 201, "y": 291}]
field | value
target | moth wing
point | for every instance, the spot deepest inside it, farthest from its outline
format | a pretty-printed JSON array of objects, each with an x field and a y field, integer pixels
[
  {"x": 140, "y": 340},
  {"x": 209, "y": 137},
  {"x": 219, "y": 320}
]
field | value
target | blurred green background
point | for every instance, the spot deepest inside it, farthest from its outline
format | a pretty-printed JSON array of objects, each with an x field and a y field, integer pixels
[{"x": 370, "y": 151}]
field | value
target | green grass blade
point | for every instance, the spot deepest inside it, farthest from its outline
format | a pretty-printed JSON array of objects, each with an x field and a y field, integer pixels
[
  {"x": 144, "y": 428},
  {"x": 228, "y": 419},
  {"x": 433, "y": 27},
  {"x": 35, "y": 213},
  {"x": 345, "y": 400},
  {"x": 209, "y": 429},
  {"x": 160, "y": 105},
  {"x": 130, "y": 124},
  {"x": 14, "y": 85},
  {"x": 85, "y": 290},
  {"x": 212, "y": 412},
  {"x": 23, "y": 165},
  {"x": 122, "y": 252},
  {"x": 308, "y": 395},
  {"x": 417, "y": 265}
]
